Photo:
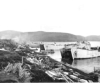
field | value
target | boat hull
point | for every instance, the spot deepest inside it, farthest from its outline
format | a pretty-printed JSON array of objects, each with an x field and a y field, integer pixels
[
  {"x": 80, "y": 53},
  {"x": 66, "y": 54}
]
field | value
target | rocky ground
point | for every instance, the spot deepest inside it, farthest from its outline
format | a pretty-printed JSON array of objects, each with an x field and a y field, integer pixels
[{"x": 26, "y": 66}]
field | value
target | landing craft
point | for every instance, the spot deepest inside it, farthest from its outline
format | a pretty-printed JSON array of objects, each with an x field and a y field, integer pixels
[{"x": 80, "y": 50}]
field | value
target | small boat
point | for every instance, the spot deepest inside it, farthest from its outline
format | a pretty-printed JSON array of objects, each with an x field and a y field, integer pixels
[
  {"x": 50, "y": 51},
  {"x": 53, "y": 46},
  {"x": 80, "y": 50}
]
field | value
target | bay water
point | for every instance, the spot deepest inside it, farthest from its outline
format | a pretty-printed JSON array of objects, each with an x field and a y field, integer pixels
[{"x": 86, "y": 65}]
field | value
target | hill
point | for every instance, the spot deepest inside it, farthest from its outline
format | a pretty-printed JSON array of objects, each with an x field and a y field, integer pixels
[
  {"x": 40, "y": 36},
  {"x": 53, "y": 37}
]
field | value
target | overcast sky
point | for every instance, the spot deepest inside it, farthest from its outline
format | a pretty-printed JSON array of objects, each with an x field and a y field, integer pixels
[{"x": 80, "y": 17}]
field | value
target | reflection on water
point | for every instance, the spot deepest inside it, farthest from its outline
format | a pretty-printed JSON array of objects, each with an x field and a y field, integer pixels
[
  {"x": 67, "y": 61},
  {"x": 86, "y": 65},
  {"x": 56, "y": 55}
]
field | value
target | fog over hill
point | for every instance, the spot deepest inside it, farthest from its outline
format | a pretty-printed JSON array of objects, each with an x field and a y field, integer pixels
[{"x": 44, "y": 36}]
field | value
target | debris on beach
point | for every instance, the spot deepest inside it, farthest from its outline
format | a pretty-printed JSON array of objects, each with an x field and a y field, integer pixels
[{"x": 26, "y": 66}]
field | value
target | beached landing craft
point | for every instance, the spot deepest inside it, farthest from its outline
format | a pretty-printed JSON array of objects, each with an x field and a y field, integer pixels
[{"x": 80, "y": 50}]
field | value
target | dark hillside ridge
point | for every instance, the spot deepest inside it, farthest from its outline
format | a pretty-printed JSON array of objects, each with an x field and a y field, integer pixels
[{"x": 41, "y": 36}]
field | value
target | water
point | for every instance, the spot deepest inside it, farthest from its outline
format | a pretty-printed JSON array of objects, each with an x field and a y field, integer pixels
[
  {"x": 86, "y": 65},
  {"x": 56, "y": 55}
]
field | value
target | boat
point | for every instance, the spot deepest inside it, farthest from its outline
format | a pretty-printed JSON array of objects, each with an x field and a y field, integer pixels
[
  {"x": 53, "y": 46},
  {"x": 80, "y": 50},
  {"x": 50, "y": 51}
]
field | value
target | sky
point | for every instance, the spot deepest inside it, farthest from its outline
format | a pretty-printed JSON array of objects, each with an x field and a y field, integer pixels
[{"x": 79, "y": 17}]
